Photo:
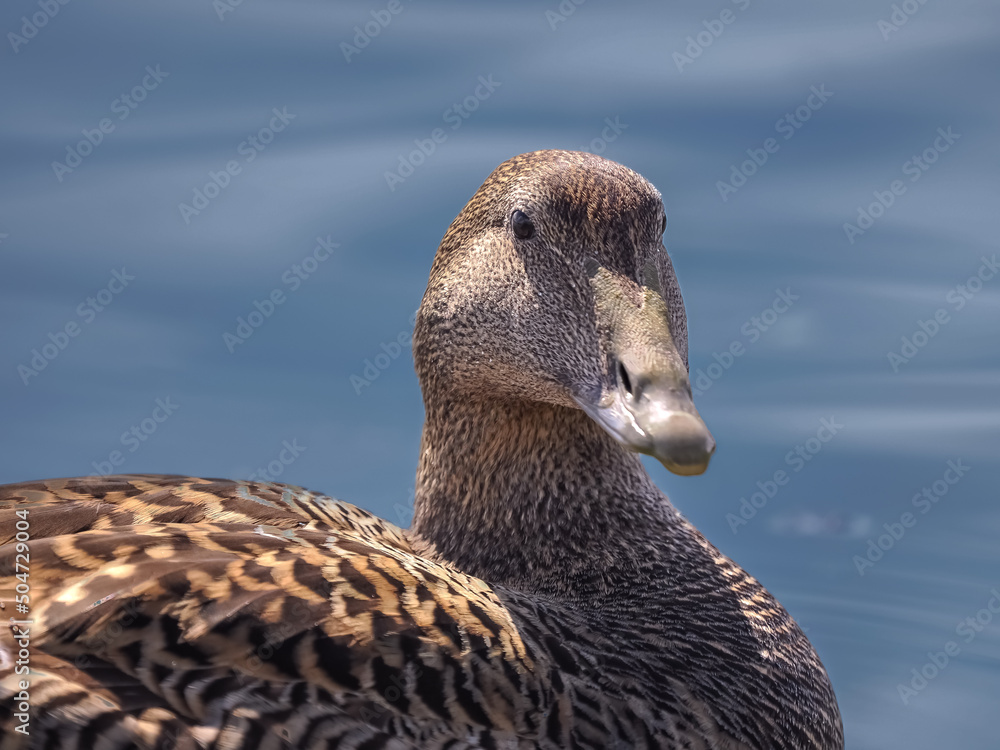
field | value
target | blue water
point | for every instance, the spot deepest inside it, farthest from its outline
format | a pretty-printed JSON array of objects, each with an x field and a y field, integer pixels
[{"x": 833, "y": 108}]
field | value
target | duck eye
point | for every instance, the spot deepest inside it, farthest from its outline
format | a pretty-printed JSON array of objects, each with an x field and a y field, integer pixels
[{"x": 521, "y": 224}]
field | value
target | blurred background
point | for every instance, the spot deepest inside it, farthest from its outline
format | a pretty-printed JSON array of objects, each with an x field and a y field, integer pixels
[{"x": 217, "y": 218}]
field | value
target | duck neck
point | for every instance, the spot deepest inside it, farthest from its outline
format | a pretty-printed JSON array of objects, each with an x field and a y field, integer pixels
[{"x": 536, "y": 497}]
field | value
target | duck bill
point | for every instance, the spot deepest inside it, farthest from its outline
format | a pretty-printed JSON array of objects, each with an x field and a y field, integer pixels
[
  {"x": 664, "y": 425},
  {"x": 647, "y": 406}
]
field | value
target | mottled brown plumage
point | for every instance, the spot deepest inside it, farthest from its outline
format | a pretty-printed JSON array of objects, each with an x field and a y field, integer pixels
[{"x": 548, "y": 594}]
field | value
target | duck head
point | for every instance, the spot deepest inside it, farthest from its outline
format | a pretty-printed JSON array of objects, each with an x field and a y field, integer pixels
[{"x": 553, "y": 285}]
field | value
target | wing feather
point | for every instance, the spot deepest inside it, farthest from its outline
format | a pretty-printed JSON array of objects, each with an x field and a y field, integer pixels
[{"x": 219, "y": 597}]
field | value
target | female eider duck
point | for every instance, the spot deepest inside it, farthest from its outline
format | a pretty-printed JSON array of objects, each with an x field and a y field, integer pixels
[{"x": 548, "y": 595}]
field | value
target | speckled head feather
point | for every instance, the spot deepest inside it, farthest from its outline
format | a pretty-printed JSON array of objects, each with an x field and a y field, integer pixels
[
  {"x": 515, "y": 317},
  {"x": 548, "y": 595}
]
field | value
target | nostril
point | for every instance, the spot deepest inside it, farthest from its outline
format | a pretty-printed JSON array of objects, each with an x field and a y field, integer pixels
[
  {"x": 632, "y": 387},
  {"x": 625, "y": 381}
]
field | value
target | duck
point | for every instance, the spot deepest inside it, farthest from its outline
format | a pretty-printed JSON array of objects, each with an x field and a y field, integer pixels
[{"x": 547, "y": 594}]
